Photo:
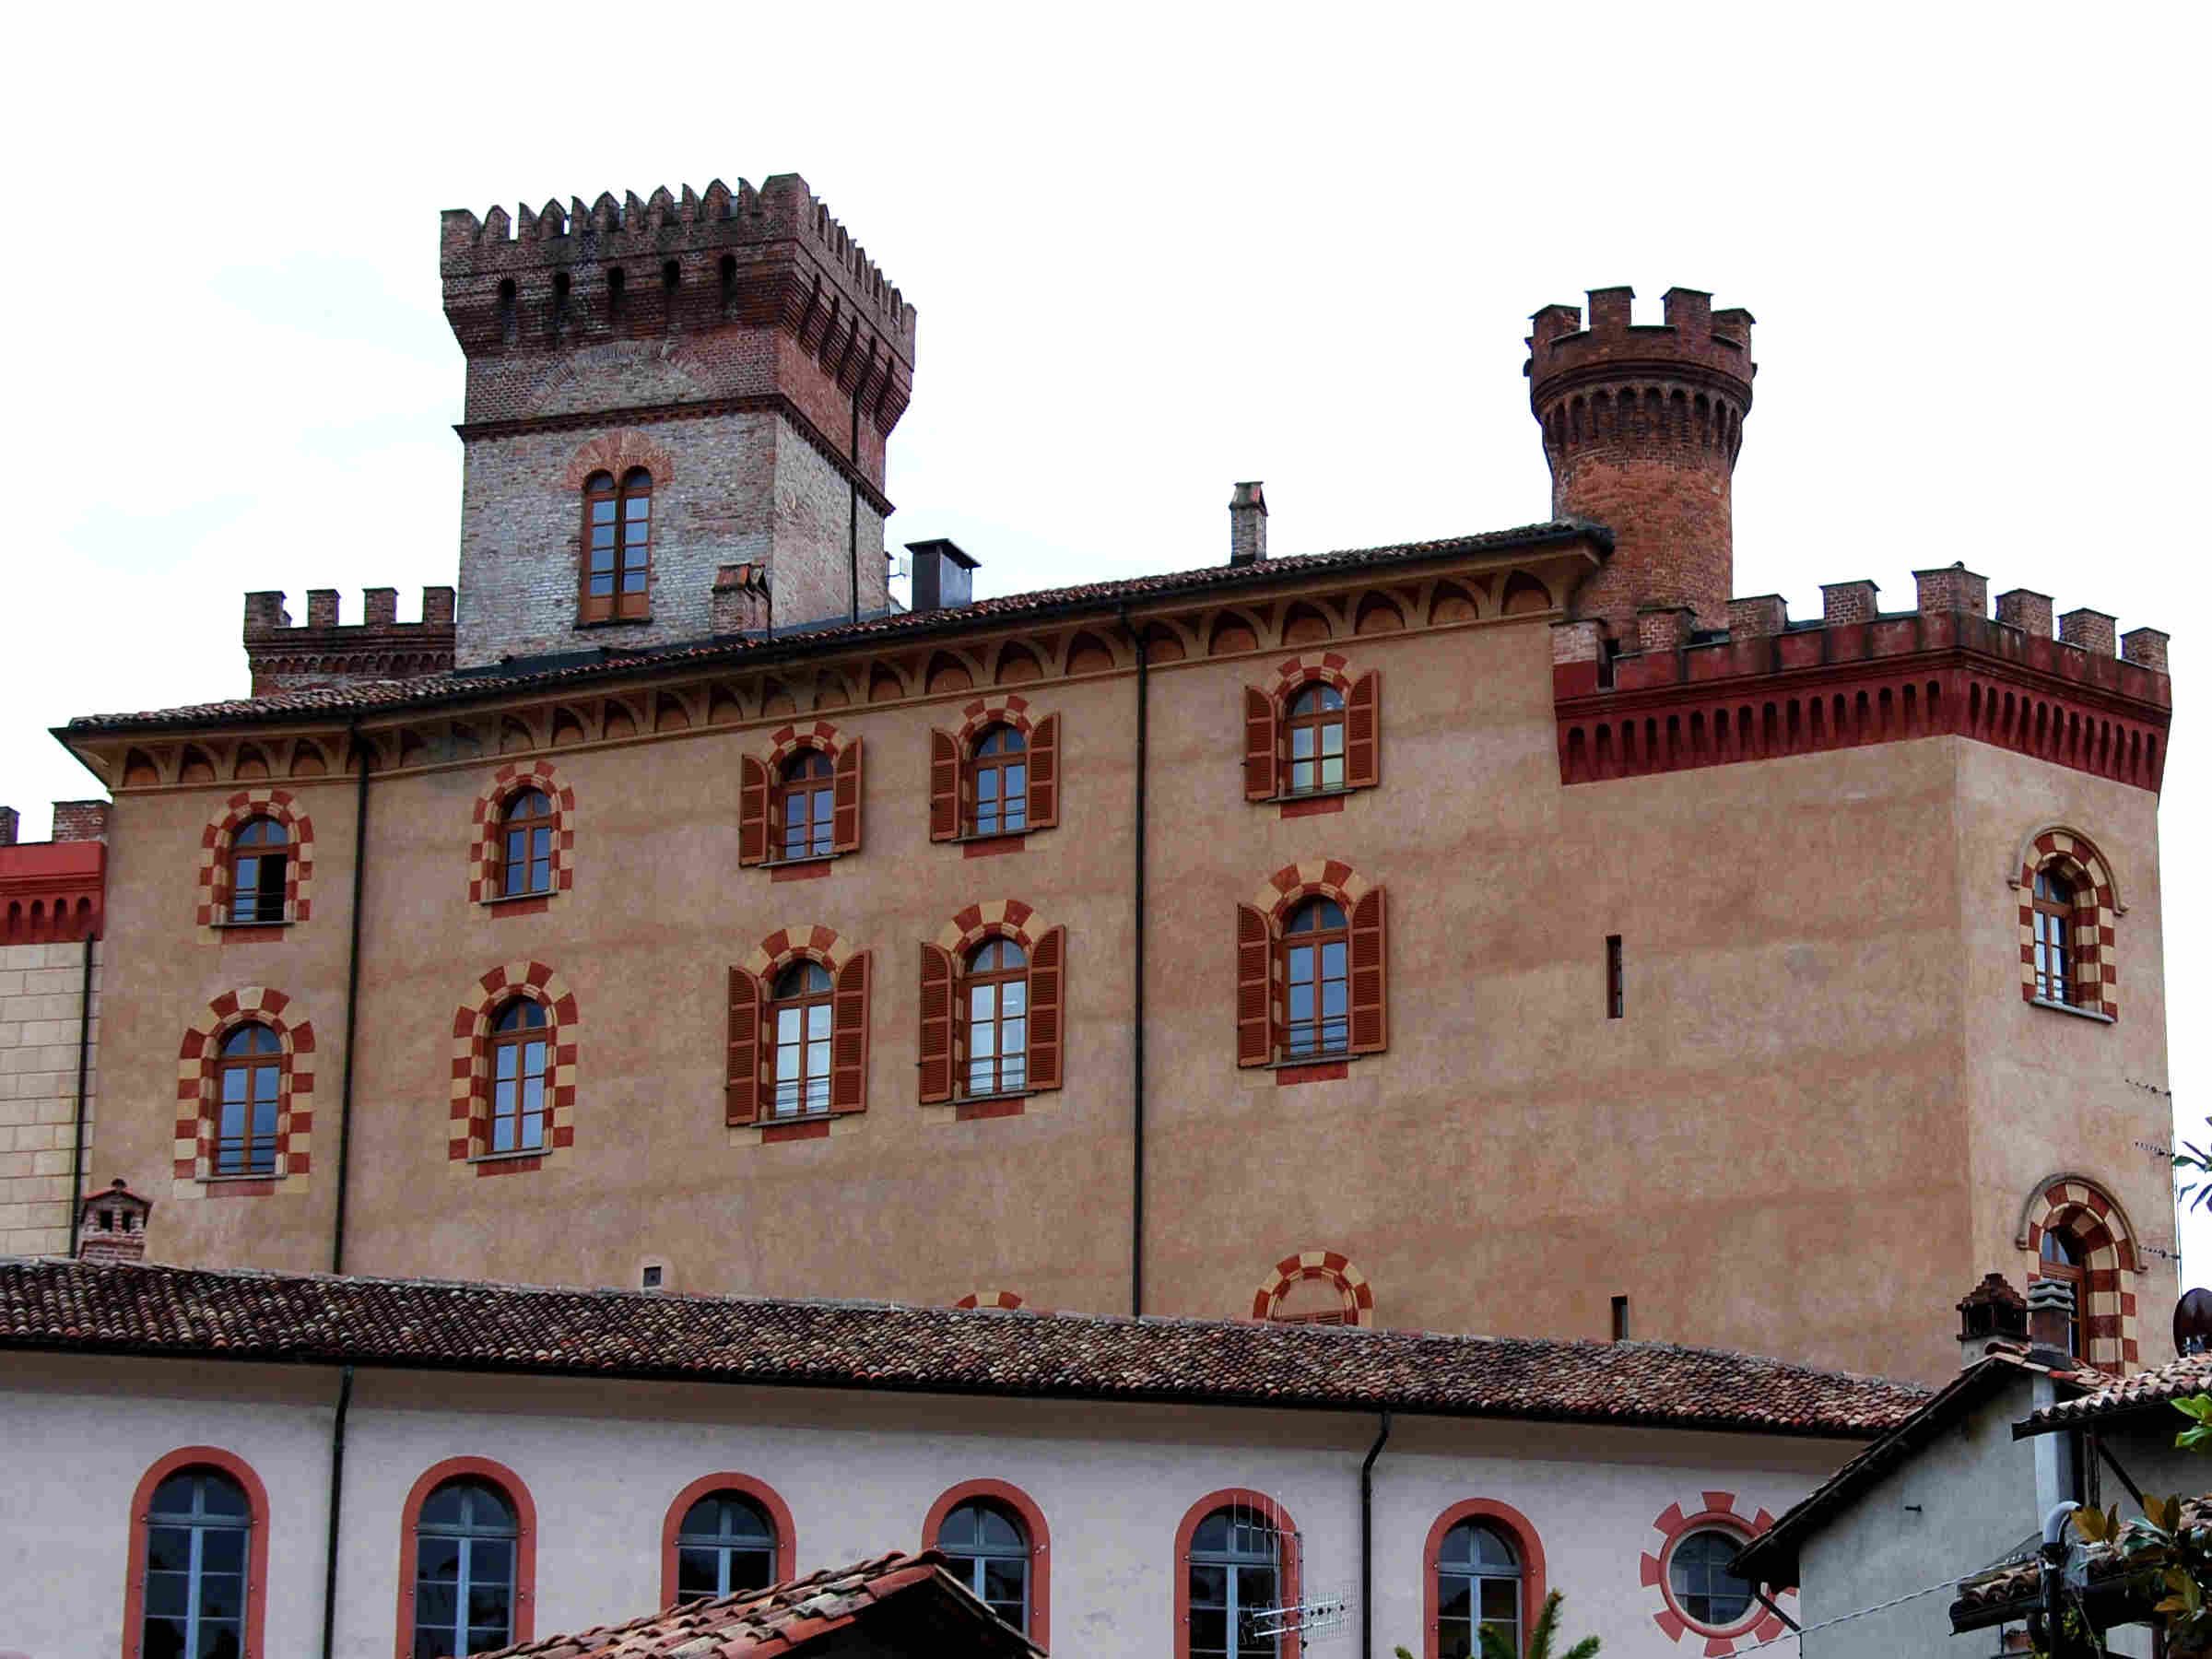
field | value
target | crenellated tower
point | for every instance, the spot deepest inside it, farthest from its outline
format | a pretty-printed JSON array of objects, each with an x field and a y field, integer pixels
[
  {"x": 1641, "y": 426},
  {"x": 727, "y": 364}
]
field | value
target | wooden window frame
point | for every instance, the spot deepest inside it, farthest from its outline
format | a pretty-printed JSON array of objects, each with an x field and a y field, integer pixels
[
  {"x": 763, "y": 793},
  {"x": 544, "y": 1035},
  {"x": 801, "y": 1004},
  {"x": 1268, "y": 722},
  {"x": 182, "y": 1461},
  {"x": 1289, "y": 945},
  {"x": 749, "y": 1075},
  {"x": 996, "y": 766},
  {"x": 1516, "y": 1529},
  {"x": 1025, "y": 1512},
  {"x": 2054, "y": 922},
  {"x": 618, "y": 604},
  {"x": 511, "y": 1487},
  {"x": 807, "y": 777},
  {"x": 954, "y": 762},
  {"x": 238, "y": 853},
  {"x": 1261, "y": 1005},
  {"x": 970, "y": 980},
  {"x": 781, "y": 1525},
  {"x": 546, "y": 823},
  {"x": 944, "y": 1005},
  {"x": 2072, "y": 1272},
  {"x": 275, "y": 1060},
  {"x": 1319, "y": 721}
]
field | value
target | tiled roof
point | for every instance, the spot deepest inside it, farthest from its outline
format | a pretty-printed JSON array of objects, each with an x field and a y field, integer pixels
[
  {"x": 384, "y": 696},
  {"x": 319, "y": 1318},
  {"x": 1773, "y": 1557},
  {"x": 2191, "y": 1374},
  {"x": 2006, "y": 1591},
  {"x": 911, "y": 1599}
]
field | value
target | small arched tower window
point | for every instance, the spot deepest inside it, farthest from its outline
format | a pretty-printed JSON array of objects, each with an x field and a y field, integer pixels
[
  {"x": 802, "y": 1020},
  {"x": 1478, "y": 1589},
  {"x": 2053, "y": 901},
  {"x": 507, "y": 311},
  {"x": 525, "y": 864},
  {"x": 520, "y": 1076},
  {"x": 726, "y": 1544},
  {"x": 260, "y": 856},
  {"x": 248, "y": 1075},
  {"x": 617, "y": 542},
  {"x": 990, "y": 1552}
]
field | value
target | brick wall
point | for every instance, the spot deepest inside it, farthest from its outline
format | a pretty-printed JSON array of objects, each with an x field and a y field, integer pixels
[{"x": 40, "y": 988}]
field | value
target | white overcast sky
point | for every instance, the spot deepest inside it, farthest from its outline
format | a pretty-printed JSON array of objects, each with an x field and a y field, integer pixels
[{"x": 1156, "y": 250}]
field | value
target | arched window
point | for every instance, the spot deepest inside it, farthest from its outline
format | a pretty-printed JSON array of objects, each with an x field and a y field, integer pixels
[
  {"x": 1705, "y": 1592},
  {"x": 259, "y": 853},
  {"x": 990, "y": 1552},
  {"x": 806, "y": 805},
  {"x": 520, "y": 1067},
  {"x": 1477, "y": 1588},
  {"x": 249, "y": 1077},
  {"x": 999, "y": 782},
  {"x": 1314, "y": 733},
  {"x": 2061, "y": 1259},
  {"x": 2053, "y": 902},
  {"x": 618, "y": 539},
  {"x": 1316, "y": 950},
  {"x": 526, "y": 861},
  {"x": 1234, "y": 1575},
  {"x": 802, "y": 1018},
  {"x": 995, "y": 1042},
  {"x": 195, "y": 1597},
  {"x": 463, "y": 1570},
  {"x": 724, "y": 1543}
]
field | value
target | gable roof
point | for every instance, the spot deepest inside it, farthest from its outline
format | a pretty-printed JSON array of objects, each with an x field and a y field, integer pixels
[
  {"x": 321, "y": 1319},
  {"x": 746, "y": 651},
  {"x": 1773, "y": 1557},
  {"x": 909, "y": 1602},
  {"x": 2120, "y": 1396}
]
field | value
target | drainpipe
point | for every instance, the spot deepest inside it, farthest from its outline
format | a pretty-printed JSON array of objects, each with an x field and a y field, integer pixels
[
  {"x": 337, "y": 1489},
  {"x": 84, "y": 1064},
  {"x": 353, "y": 995},
  {"x": 1367, "y": 1539},
  {"x": 1137, "y": 1024}
]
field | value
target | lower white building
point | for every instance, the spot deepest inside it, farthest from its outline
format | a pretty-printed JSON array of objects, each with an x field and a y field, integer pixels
[{"x": 509, "y": 1462}]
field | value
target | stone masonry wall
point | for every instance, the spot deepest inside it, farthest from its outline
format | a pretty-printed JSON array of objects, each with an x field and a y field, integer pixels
[
  {"x": 40, "y": 985},
  {"x": 726, "y": 487}
]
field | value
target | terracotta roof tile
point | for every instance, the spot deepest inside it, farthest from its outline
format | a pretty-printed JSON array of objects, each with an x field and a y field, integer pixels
[
  {"x": 789, "y": 1618},
  {"x": 2010, "y": 1588},
  {"x": 239, "y": 1314},
  {"x": 2191, "y": 1374},
  {"x": 386, "y": 696}
]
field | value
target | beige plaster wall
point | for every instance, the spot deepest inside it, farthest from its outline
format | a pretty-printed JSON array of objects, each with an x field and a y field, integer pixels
[
  {"x": 41, "y": 1004},
  {"x": 1784, "y": 1146},
  {"x": 604, "y": 1461}
]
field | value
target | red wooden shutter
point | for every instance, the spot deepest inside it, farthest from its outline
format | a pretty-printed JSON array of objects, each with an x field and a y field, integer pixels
[
  {"x": 1044, "y": 772},
  {"x": 1362, "y": 732},
  {"x": 1048, "y": 997},
  {"x": 752, "y": 810},
  {"x": 1255, "y": 992},
  {"x": 1371, "y": 986},
  {"x": 937, "y": 985},
  {"x": 846, "y": 814},
  {"x": 744, "y": 1088},
  {"x": 1259, "y": 745},
  {"x": 849, "y": 1037},
  {"x": 944, "y": 786}
]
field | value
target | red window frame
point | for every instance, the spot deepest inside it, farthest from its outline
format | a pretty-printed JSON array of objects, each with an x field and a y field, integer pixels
[
  {"x": 525, "y": 1541},
  {"x": 1519, "y": 1531},
  {"x": 1031, "y": 1519},
  {"x": 779, "y": 1519},
  {"x": 257, "y": 1540}
]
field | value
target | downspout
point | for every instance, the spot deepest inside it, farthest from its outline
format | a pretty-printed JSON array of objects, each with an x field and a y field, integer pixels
[
  {"x": 337, "y": 1487},
  {"x": 1137, "y": 1024},
  {"x": 353, "y": 996},
  {"x": 84, "y": 1065},
  {"x": 1367, "y": 1539}
]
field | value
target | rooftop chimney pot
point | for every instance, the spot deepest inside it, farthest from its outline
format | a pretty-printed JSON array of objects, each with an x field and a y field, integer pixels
[
  {"x": 943, "y": 579},
  {"x": 1247, "y": 523}
]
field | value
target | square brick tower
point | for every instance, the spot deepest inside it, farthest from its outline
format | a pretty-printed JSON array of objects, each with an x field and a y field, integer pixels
[{"x": 658, "y": 389}]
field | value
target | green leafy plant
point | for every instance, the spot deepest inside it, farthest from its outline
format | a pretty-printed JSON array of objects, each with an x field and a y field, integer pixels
[
  {"x": 2194, "y": 1195},
  {"x": 2169, "y": 1557},
  {"x": 1540, "y": 1638},
  {"x": 2197, "y": 1408}
]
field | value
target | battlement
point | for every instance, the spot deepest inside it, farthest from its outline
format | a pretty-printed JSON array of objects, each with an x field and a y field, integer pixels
[
  {"x": 1695, "y": 342},
  {"x": 668, "y": 262},
  {"x": 1764, "y": 686},
  {"x": 324, "y": 651}
]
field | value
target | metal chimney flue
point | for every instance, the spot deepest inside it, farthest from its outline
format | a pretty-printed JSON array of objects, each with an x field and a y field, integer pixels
[{"x": 942, "y": 577}]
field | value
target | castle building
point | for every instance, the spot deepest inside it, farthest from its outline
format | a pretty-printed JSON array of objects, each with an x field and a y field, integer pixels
[{"x": 1517, "y": 932}]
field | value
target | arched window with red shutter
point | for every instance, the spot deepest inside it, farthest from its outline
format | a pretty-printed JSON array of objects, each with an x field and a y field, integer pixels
[
  {"x": 993, "y": 1012},
  {"x": 798, "y": 1031},
  {"x": 996, "y": 776},
  {"x": 1313, "y": 957},
  {"x": 1316, "y": 733},
  {"x": 802, "y": 802}
]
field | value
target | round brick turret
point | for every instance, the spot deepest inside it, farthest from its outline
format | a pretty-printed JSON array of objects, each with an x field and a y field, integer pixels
[{"x": 1641, "y": 426}]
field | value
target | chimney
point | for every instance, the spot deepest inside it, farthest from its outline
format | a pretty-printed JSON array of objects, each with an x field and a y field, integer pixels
[
  {"x": 11, "y": 824},
  {"x": 1247, "y": 524},
  {"x": 80, "y": 820},
  {"x": 2051, "y": 1315},
  {"x": 112, "y": 1225},
  {"x": 1991, "y": 1315},
  {"x": 941, "y": 578},
  {"x": 741, "y": 598}
]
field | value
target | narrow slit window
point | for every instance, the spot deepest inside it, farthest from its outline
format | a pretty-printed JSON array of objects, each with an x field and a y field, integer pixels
[
  {"x": 1620, "y": 1318},
  {"x": 1616, "y": 991}
]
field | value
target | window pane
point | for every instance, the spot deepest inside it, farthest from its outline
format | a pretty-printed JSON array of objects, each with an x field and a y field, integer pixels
[
  {"x": 1500, "y": 1600},
  {"x": 1453, "y": 1595},
  {"x": 1014, "y": 996},
  {"x": 983, "y": 1040},
  {"x": 168, "y": 1593},
  {"x": 167, "y": 1550},
  {"x": 1013, "y": 1035},
  {"x": 818, "y": 1021}
]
